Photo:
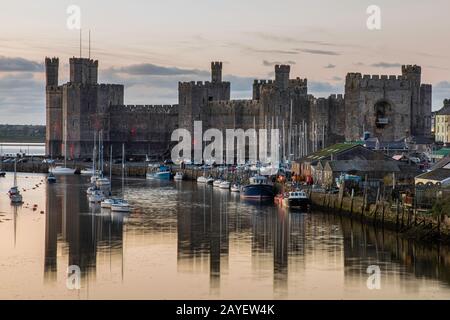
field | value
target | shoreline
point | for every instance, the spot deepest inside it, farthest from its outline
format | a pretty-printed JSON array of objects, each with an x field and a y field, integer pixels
[{"x": 403, "y": 220}]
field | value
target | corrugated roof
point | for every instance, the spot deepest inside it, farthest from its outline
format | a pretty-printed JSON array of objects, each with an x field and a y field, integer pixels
[
  {"x": 445, "y": 111},
  {"x": 327, "y": 152},
  {"x": 442, "y": 163},
  {"x": 436, "y": 175},
  {"x": 364, "y": 165},
  {"x": 442, "y": 152}
]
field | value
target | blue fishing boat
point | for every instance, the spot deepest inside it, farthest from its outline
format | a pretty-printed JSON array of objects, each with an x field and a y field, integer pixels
[
  {"x": 163, "y": 173},
  {"x": 259, "y": 189}
]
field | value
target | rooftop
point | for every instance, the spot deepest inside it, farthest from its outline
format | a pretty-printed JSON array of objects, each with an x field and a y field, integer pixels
[
  {"x": 445, "y": 152},
  {"x": 364, "y": 166},
  {"x": 436, "y": 175},
  {"x": 327, "y": 152},
  {"x": 445, "y": 111}
]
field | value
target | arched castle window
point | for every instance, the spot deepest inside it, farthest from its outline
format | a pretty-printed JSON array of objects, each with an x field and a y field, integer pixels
[{"x": 383, "y": 110}]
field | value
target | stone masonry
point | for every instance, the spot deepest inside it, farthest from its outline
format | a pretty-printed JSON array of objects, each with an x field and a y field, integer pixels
[{"x": 388, "y": 107}]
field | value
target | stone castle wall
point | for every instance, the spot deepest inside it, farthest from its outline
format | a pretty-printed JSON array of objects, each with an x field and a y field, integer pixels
[
  {"x": 80, "y": 108},
  {"x": 389, "y": 107}
]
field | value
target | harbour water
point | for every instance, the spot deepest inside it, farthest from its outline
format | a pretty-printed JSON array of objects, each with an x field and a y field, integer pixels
[
  {"x": 187, "y": 241},
  {"x": 13, "y": 148}
]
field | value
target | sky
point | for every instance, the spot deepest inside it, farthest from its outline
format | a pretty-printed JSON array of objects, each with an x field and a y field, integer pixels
[{"x": 151, "y": 45}]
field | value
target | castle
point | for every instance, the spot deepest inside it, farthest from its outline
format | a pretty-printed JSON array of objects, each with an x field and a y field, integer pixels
[{"x": 390, "y": 108}]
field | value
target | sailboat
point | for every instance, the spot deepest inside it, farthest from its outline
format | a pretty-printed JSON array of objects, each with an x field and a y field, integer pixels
[
  {"x": 63, "y": 170},
  {"x": 101, "y": 181},
  {"x": 14, "y": 193},
  {"x": 121, "y": 205}
]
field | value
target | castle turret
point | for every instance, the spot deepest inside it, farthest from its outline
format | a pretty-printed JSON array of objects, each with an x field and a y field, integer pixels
[
  {"x": 282, "y": 76},
  {"x": 83, "y": 71},
  {"x": 216, "y": 72},
  {"x": 51, "y": 71},
  {"x": 412, "y": 73}
]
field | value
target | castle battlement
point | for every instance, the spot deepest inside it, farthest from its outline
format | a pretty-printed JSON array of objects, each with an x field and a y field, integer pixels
[
  {"x": 202, "y": 84},
  {"x": 411, "y": 69},
  {"x": 96, "y": 85},
  {"x": 337, "y": 97},
  {"x": 262, "y": 82},
  {"x": 298, "y": 82},
  {"x": 357, "y": 80},
  {"x": 49, "y": 60},
  {"x": 235, "y": 103},
  {"x": 144, "y": 108}
]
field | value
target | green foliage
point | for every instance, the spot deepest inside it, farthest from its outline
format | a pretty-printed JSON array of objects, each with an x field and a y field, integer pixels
[{"x": 441, "y": 207}]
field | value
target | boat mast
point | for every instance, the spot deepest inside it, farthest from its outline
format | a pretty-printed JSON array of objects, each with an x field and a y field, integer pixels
[
  {"x": 110, "y": 162},
  {"x": 65, "y": 144},
  {"x": 15, "y": 172},
  {"x": 123, "y": 169},
  {"x": 94, "y": 154}
]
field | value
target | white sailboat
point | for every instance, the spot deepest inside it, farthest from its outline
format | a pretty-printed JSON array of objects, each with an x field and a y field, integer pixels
[
  {"x": 121, "y": 205},
  {"x": 14, "y": 193},
  {"x": 101, "y": 181},
  {"x": 63, "y": 170}
]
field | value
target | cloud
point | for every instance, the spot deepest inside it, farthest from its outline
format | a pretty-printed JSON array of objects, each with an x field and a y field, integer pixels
[
  {"x": 324, "y": 89},
  {"x": 19, "y": 65},
  {"x": 159, "y": 85},
  {"x": 330, "y": 66},
  {"x": 273, "y": 63},
  {"x": 336, "y": 78},
  {"x": 441, "y": 91},
  {"x": 22, "y": 99},
  {"x": 155, "y": 70},
  {"x": 386, "y": 65},
  {"x": 320, "y": 52},
  {"x": 285, "y": 39}
]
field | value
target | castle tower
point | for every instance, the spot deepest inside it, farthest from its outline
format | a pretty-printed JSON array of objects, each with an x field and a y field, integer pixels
[
  {"x": 53, "y": 108},
  {"x": 84, "y": 71},
  {"x": 216, "y": 72},
  {"x": 420, "y": 106},
  {"x": 282, "y": 76},
  {"x": 51, "y": 71}
]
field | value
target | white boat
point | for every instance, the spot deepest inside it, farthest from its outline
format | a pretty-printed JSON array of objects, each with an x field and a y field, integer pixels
[
  {"x": 202, "y": 179},
  {"x": 178, "y": 176},
  {"x": 121, "y": 206},
  {"x": 235, "y": 188},
  {"x": 102, "y": 182},
  {"x": 14, "y": 193},
  {"x": 61, "y": 170},
  {"x": 107, "y": 203},
  {"x": 297, "y": 199},
  {"x": 96, "y": 196},
  {"x": 225, "y": 185},
  {"x": 89, "y": 172},
  {"x": 217, "y": 183}
]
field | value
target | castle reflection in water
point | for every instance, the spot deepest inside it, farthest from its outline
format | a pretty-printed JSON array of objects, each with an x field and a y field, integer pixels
[{"x": 213, "y": 228}]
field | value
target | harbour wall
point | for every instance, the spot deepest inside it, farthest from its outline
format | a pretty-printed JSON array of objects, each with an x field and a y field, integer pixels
[{"x": 411, "y": 223}]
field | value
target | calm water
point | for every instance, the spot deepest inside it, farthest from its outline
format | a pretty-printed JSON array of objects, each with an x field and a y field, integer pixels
[
  {"x": 13, "y": 148},
  {"x": 185, "y": 241}
]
